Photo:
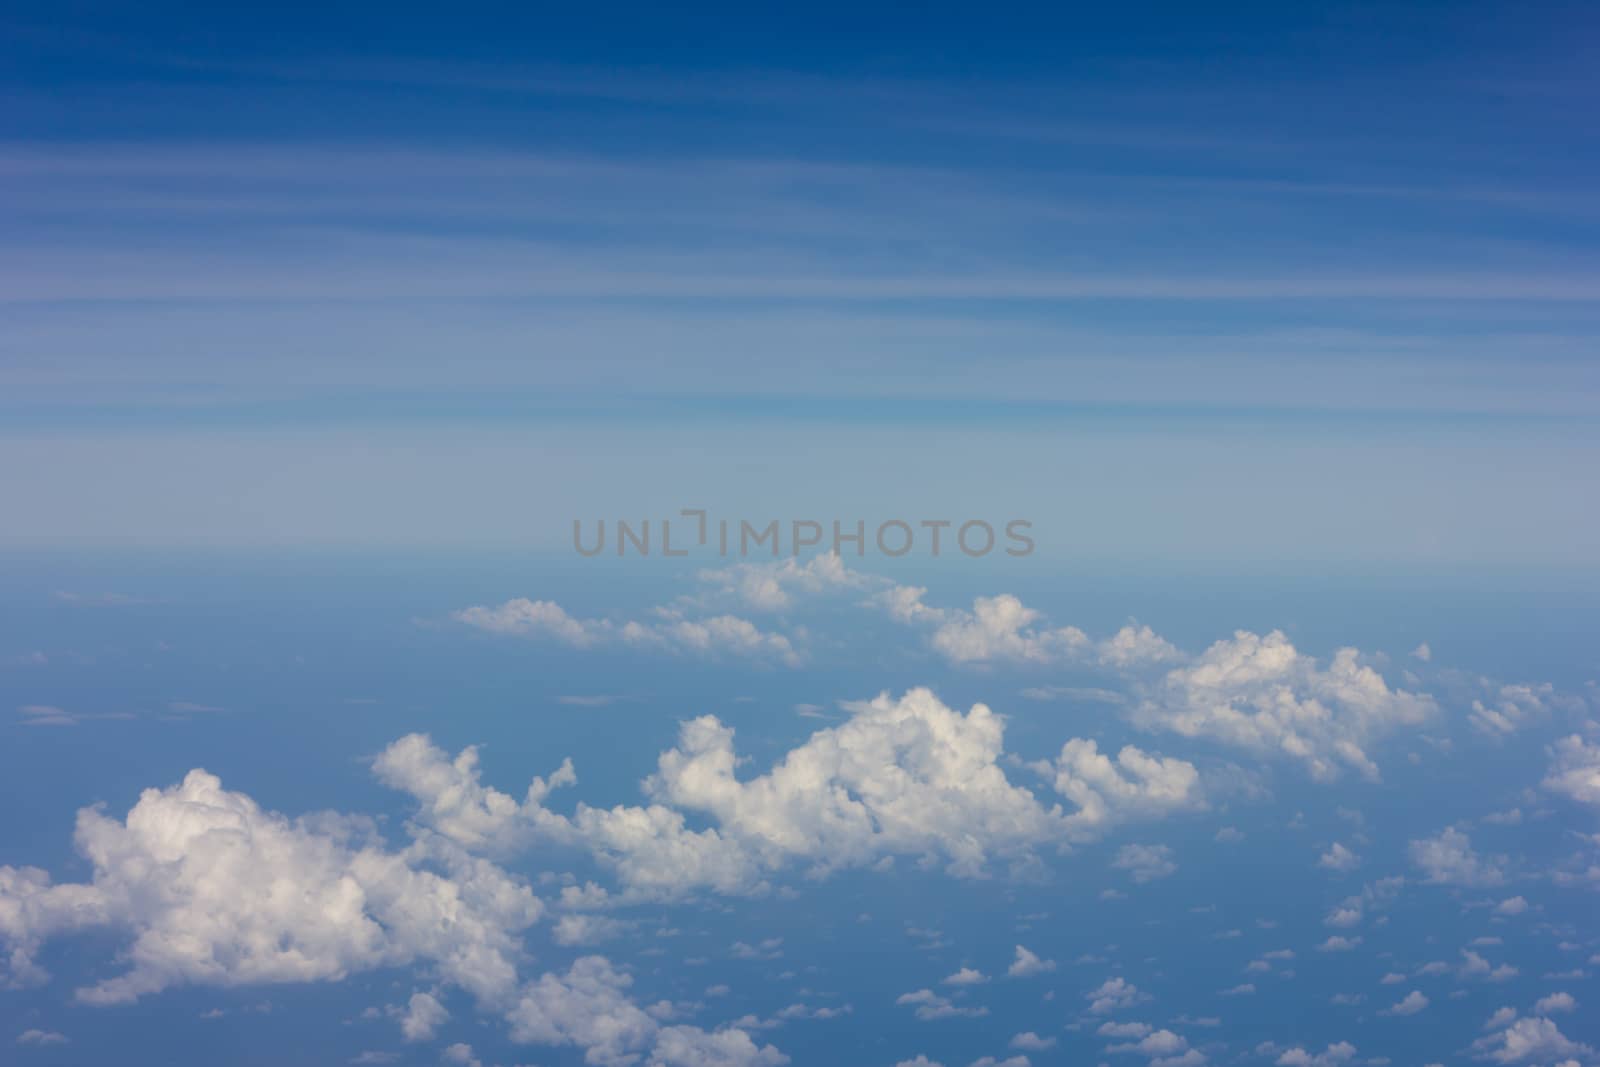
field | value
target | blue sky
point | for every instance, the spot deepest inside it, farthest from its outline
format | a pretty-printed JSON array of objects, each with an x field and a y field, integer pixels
[
  {"x": 320, "y": 328},
  {"x": 1348, "y": 249}
]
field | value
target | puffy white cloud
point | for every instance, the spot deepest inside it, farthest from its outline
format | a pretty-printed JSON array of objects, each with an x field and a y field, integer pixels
[
  {"x": 1026, "y": 964},
  {"x": 1136, "y": 784},
  {"x": 41, "y": 1037},
  {"x": 1449, "y": 859},
  {"x": 900, "y": 776},
  {"x": 1575, "y": 770},
  {"x": 1475, "y": 966},
  {"x": 1112, "y": 995},
  {"x": 1339, "y": 858},
  {"x": 1410, "y": 1004},
  {"x": 690, "y": 1046},
  {"x": 216, "y": 891},
  {"x": 1261, "y": 694},
  {"x": 537, "y": 618},
  {"x": 1352, "y": 910},
  {"x": 772, "y": 586},
  {"x": 1339, "y": 944},
  {"x": 966, "y": 976},
  {"x": 1028, "y": 1041},
  {"x": 1510, "y": 707},
  {"x": 1155, "y": 1044},
  {"x": 1003, "y": 629},
  {"x": 589, "y": 1007},
  {"x": 1145, "y": 863},
  {"x": 1530, "y": 1040},
  {"x": 1337, "y": 1053},
  {"x": 423, "y": 1017},
  {"x": 457, "y": 805},
  {"x": 930, "y": 1005},
  {"x": 906, "y": 776},
  {"x": 671, "y": 630},
  {"x": 1555, "y": 1002}
]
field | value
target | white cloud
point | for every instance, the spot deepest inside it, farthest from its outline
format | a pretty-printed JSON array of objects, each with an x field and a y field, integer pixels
[
  {"x": 1339, "y": 944},
  {"x": 670, "y": 630},
  {"x": 1339, "y": 858},
  {"x": 1112, "y": 995},
  {"x": 930, "y": 1005},
  {"x": 41, "y": 1037},
  {"x": 1261, "y": 694},
  {"x": 1575, "y": 770},
  {"x": 1145, "y": 863},
  {"x": 1025, "y": 964},
  {"x": 1136, "y": 784},
  {"x": 1337, "y": 1053},
  {"x": 1028, "y": 1041},
  {"x": 589, "y": 1007},
  {"x": 1449, "y": 859},
  {"x": 1410, "y": 1004},
  {"x": 1002, "y": 629},
  {"x": 423, "y": 1017},
  {"x": 1554, "y": 1003},
  {"x": 1475, "y": 966},
  {"x": 1156, "y": 1045},
  {"x": 905, "y": 776},
  {"x": 1511, "y": 707},
  {"x": 215, "y": 891},
  {"x": 772, "y": 586},
  {"x": 1530, "y": 1040},
  {"x": 966, "y": 976}
]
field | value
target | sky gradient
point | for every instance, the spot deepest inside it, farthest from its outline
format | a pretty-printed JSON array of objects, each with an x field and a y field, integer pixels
[{"x": 1273, "y": 326}]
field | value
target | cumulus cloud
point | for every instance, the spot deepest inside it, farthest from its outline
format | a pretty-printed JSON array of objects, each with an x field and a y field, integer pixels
[
  {"x": 1505, "y": 709},
  {"x": 423, "y": 1017},
  {"x": 1135, "y": 784},
  {"x": 1410, "y": 1004},
  {"x": 966, "y": 976},
  {"x": 1339, "y": 1052},
  {"x": 929, "y": 1005},
  {"x": 1575, "y": 770},
  {"x": 589, "y": 1007},
  {"x": 1449, "y": 859},
  {"x": 1114, "y": 994},
  {"x": 1026, "y": 964},
  {"x": 1003, "y": 629},
  {"x": 41, "y": 1037},
  {"x": 671, "y": 630},
  {"x": 1554, "y": 1003},
  {"x": 1262, "y": 694},
  {"x": 1145, "y": 863},
  {"x": 901, "y": 776},
  {"x": 1339, "y": 858},
  {"x": 774, "y": 586},
  {"x": 1530, "y": 1040},
  {"x": 213, "y": 890}
]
